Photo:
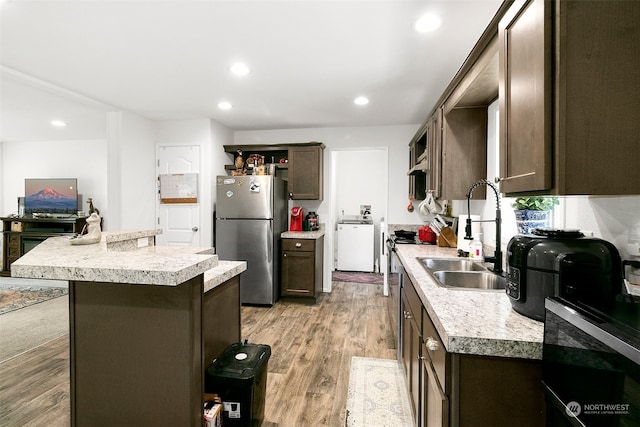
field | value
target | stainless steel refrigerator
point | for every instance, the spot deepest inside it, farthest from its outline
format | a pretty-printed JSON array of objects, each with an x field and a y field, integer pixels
[{"x": 250, "y": 215}]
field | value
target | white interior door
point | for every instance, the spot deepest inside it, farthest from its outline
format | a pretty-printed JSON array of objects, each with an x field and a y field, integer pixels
[{"x": 180, "y": 223}]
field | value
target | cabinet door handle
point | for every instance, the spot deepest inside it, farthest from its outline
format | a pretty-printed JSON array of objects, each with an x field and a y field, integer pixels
[
  {"x": 298, "y": 245},
  {"x": 284, "y": 255},
  {"x": 432, "y": 344},
  {"x": 421, "y": 358}
]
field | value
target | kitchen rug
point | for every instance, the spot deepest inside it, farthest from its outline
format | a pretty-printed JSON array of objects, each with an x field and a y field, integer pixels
[
  {"x": 377, "y": 394},
  {"x": 14, "y": 297},
  {"x": 357, "y": 277}
]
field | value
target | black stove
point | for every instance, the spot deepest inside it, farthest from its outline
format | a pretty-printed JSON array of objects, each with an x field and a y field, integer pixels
[{"x": 404, "y": 240}]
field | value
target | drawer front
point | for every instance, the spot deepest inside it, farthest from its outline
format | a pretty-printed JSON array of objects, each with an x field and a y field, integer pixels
[
  {"x": 435, "y": 349},
  {"x": 306, "y": 245},
  {"x": 13, "y": 240},
  {"x": 13, "y": 252}
]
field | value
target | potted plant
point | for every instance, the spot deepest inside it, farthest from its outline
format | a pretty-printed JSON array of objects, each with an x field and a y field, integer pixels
[{"x": 533, "y": 212}]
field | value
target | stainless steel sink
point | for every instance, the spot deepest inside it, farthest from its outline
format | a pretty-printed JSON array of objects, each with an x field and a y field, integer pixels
[
  {"x": 462, "y": 273},
  {"x": 470, "y": 279},
  {"x": 444, "y": 264}
]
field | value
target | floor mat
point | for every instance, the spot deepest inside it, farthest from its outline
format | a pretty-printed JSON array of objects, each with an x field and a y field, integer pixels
[
  {"x": 359, "y": 277},
  {"x": 377, "y": 394},
  {"x": 15, "y": 297}
]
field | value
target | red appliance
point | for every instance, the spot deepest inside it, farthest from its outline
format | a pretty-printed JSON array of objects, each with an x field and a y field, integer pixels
[
  {"x": 297, "y": 216},
  {"x": 426, "y": 235}
]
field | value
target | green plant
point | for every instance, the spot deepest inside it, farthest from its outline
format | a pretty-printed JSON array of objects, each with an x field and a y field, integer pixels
[{"x": 539, "y": 203}]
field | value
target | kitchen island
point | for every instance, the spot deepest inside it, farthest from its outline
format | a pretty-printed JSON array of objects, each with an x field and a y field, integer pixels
[{"x": 145, "y": 321}]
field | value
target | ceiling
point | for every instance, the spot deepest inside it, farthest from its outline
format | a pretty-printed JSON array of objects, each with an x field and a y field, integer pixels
[{"x": 167, "y": 60}]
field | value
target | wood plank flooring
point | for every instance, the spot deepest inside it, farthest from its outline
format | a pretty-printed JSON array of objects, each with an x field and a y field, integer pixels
[{"x": 311, "y": 350}]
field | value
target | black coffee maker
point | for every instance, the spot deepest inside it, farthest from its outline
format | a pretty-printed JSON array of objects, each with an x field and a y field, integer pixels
[{"x": 560, "y": 263}]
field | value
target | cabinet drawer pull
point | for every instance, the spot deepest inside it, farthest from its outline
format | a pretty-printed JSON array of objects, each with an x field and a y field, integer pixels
[
  {"x": 432, "y": 344},
  {"x": 298, "y": 245},
  {"x": 284, "y": 255}
]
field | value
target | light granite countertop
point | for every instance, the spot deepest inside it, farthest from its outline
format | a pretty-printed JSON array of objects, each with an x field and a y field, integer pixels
[
  {"x": 57, "y": 259},
  {"x": 304, "y": 234},
  {"x": 470, "y": 321}
]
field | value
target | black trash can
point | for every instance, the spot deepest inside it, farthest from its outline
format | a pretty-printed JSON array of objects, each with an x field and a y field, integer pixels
[{"x": 239, "y": 377}]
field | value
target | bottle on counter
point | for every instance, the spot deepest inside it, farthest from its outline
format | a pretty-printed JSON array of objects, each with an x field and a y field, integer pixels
[
  {"x": 312, "y": 219},
  {"x": 475, "y": 249}
]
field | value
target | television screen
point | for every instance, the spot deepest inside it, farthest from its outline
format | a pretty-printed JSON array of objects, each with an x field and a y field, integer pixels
[{"x": 51, "y": 196}]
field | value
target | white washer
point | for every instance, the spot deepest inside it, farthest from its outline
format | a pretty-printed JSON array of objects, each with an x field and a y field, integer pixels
[{"x": 355, "y": 247}]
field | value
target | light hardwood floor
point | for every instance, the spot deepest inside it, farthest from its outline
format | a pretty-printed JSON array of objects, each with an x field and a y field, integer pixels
[{"x": 308, "y": 372}]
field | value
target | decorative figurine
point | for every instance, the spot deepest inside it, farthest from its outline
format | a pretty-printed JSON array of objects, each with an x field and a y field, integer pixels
[
  {"x": 92, "y": 209},
  {"x": 93, "y": 235}
]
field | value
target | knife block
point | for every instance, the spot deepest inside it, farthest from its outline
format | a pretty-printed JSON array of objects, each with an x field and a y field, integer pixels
[{"x": 447, "y": 238}]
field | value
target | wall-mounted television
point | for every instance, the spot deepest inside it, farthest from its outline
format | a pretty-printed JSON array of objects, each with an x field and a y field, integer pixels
[{"x": 55, "y": 196}]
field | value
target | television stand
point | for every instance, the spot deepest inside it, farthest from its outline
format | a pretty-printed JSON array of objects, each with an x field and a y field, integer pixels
[{"x": 21, "y": 234}]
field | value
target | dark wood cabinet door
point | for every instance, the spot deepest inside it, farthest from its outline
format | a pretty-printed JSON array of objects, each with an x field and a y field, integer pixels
[
  {"x": 305, "y": 172},
  {"x": 410, "y": 354},
  {"x": 434, "y": 409},
  {"x": 298, "y": 273},
  {"x": 525, "y": 94}
]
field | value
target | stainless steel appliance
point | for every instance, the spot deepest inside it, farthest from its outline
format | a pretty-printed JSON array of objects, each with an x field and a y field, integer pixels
[
  {"x": 560, "y": 263},
  {"x": 591, "y": 363},
  {"x": 251, "y": 213}
]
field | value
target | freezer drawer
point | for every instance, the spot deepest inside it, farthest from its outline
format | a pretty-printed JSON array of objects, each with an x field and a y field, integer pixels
[{"x": 355, "y": 247}]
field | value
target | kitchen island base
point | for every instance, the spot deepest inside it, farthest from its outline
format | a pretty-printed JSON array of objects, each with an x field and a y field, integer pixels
[{"x": 138, "y": 353}]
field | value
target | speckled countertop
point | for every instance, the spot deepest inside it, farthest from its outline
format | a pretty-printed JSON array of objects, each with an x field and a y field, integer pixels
[
  {"x": 57, "y": 259},
  {"x": 303, "y": 234},
  {"x": 471, "y": 321}
]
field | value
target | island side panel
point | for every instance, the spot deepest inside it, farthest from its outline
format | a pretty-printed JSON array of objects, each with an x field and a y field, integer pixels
[
  {"x": 221, "y": 318},
  {"x": 136, "y": 354}
]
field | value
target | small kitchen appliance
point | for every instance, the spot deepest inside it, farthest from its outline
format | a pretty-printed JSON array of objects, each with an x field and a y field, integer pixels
[
  {"x": 564, "y": 263},
  {"x": 297, "y": 215},
  {"x": 427, "y": 235}
]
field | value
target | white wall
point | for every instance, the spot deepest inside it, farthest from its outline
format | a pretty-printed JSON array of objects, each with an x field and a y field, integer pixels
[
  {"x": 220, "y": 135},
  {"x": 137, "y": 188},
  {"x": 84, "y": 160}
]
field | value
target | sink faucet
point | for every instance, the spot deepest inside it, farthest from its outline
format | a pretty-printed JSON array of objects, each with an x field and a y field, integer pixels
[{"x": 496, "y": 259}]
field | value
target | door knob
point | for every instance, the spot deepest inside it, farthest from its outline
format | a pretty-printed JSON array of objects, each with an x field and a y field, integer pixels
[{"x": 194, "y": 229}]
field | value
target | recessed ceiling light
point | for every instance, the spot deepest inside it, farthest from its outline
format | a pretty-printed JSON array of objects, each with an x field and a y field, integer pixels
[
  {"x": 58, "y": 123},
  {"x": 427, "y": 23},
  {"x": 361, "y": 100},
  {"x": 224, "y": 105},
  {"x": 239, "y": 69}
]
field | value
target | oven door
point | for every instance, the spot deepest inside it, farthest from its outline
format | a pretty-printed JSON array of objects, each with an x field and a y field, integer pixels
[{"x": 590, "y": 374}]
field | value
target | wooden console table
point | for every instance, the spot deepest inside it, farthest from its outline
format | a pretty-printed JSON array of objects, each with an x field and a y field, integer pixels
[{"x": 21, "y": 234}]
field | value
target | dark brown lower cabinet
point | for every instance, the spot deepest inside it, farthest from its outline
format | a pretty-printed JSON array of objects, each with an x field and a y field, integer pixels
[
  {"x": 410, "y": 343},
  {"x": 451, "y": 389},
  {"x": 302, "y": 268}
]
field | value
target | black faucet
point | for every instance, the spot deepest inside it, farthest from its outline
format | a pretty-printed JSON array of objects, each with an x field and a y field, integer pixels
[{"x": 496, "y": 259}]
